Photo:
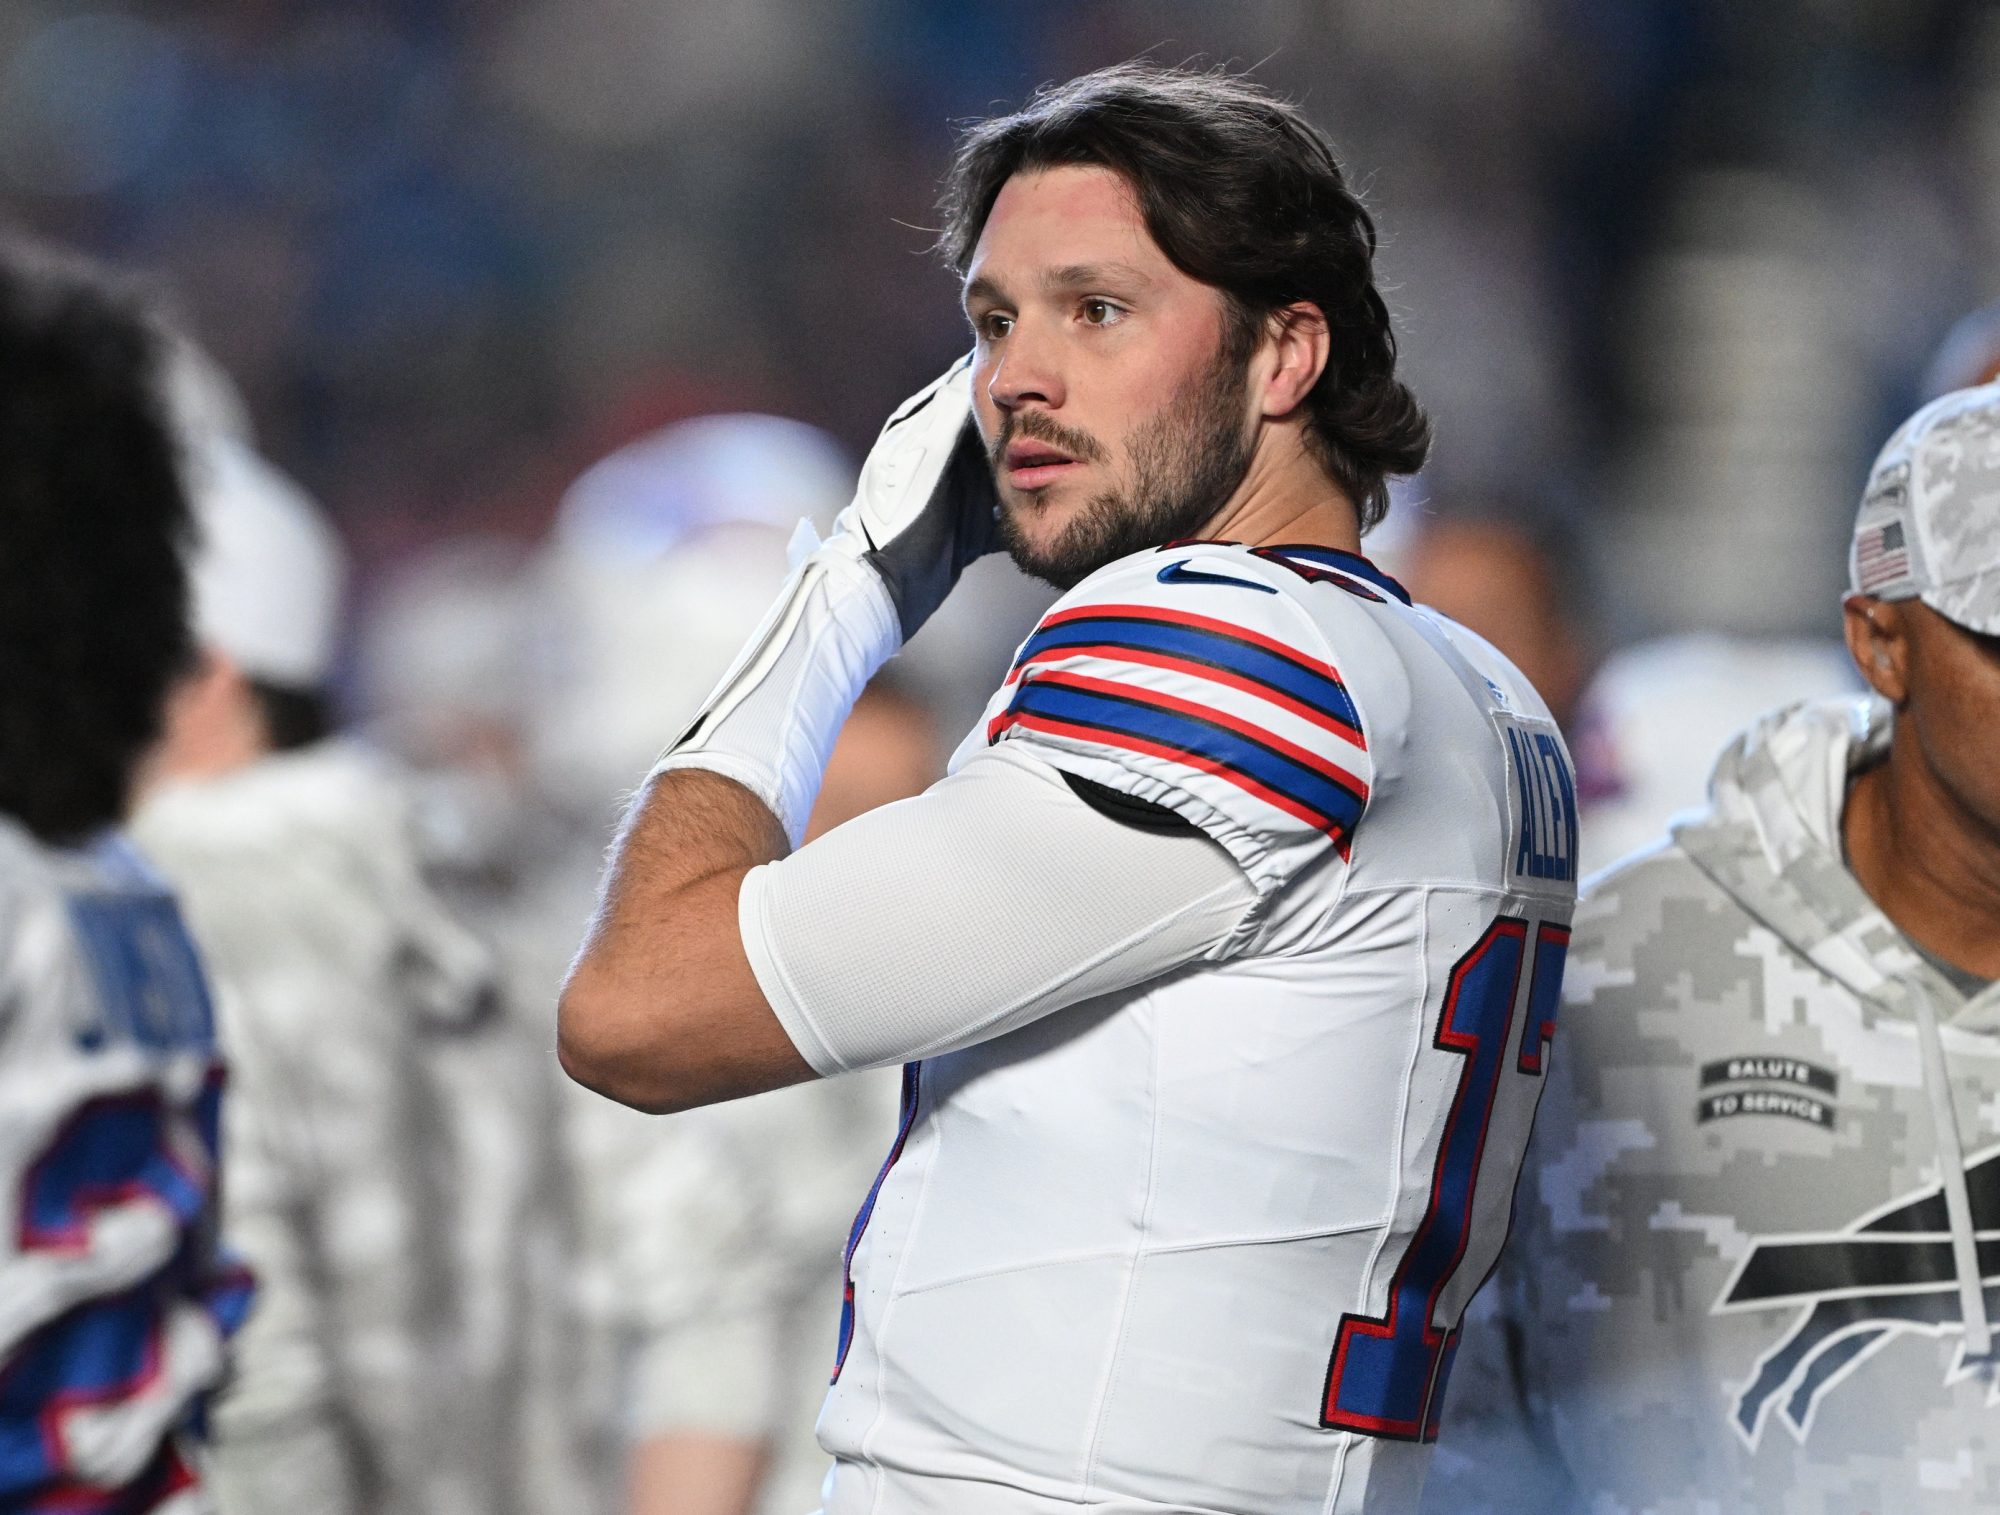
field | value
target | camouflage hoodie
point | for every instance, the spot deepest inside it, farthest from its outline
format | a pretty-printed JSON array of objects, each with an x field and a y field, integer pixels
[
  {"x": 1736, "y": 1283},
  {"x": 382, "y": 1147}
]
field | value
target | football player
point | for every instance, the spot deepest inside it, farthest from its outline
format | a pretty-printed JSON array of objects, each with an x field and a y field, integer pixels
[
  {"x": 1756, "y": 1266},
  {"x": 1222, "y": 964},
  {"x": 114, "y": 1304}
]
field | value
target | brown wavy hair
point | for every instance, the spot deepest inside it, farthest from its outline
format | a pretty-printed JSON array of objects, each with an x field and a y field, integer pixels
[{"x": 1241, "y": 192}]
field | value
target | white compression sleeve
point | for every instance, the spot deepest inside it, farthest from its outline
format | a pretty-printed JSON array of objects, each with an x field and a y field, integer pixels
[
  {"x": 991, "y": 899},
  {"x": 771, "y": 723}
]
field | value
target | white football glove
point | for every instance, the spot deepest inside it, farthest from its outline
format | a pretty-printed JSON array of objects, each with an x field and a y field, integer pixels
[
  {"x": 923, "y": 508},
  {"x": 925, "y": 504}
]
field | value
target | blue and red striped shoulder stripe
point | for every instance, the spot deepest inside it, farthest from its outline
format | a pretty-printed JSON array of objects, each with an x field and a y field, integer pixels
[
  {"x": 1203, "y": 647},
  {"x": 1275, "y": 722}
]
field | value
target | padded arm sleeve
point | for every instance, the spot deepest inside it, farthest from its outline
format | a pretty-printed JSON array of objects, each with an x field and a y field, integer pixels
[{"x": 984, "y": 903}]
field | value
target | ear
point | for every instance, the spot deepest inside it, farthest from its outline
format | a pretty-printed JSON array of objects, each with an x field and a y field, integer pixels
[
  {"x": 1878, "y": 639},
  {"x": 1296, "y": 346}
]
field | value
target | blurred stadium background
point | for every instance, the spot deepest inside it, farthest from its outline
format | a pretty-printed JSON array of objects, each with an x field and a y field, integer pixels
[
  {"x": 1678, "y": 264},
  {"x": 1666, "y": 272}
]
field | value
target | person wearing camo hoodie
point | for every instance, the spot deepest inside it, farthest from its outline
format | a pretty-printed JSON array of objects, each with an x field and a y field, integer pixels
[
  {"x": 383, "y": 1145},
  {"x": 1757, "y": 1246}
]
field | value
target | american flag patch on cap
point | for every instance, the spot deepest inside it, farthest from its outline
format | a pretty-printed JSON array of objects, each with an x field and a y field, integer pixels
[{"x": 1881, "y": 556}]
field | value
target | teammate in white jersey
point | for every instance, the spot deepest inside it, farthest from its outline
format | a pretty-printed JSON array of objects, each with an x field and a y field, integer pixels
[
  {"x": 1223, "y": 963},
  {"x": 114, "y": 1302}
]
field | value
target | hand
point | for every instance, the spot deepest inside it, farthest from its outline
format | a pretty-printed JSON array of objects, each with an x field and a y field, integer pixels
[{"x": 925, "y": 503}]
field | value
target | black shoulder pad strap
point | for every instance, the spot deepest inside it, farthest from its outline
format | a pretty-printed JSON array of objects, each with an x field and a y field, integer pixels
[{"x": 1123, "y": 808}]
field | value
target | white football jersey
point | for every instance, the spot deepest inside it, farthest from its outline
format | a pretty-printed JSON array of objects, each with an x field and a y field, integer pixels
[
  {"x": 1202, "y": 1245},
  {"x": 113, "y": 1305}
]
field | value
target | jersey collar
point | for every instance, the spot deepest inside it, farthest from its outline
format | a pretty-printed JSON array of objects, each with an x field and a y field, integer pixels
[{"x": 1351, "y": 563}]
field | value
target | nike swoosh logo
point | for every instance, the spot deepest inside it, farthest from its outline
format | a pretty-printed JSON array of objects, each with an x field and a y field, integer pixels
[{"x": 1180, "y": 573}]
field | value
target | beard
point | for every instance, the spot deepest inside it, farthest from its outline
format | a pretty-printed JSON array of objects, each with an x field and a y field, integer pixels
[{"x": 1183, "y": 464}]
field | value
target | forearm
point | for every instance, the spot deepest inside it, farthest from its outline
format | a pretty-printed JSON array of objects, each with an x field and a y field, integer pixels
[
  {"x": 663, "y": 947},
  {"x": 695, "y": 1473},
  {"x": 701, "y": 1403},
  {"x": 662, "y": 1010}
]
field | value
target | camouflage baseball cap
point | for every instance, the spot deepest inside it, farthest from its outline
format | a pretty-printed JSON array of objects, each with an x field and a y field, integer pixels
[{"x": 1929, "y": 526}]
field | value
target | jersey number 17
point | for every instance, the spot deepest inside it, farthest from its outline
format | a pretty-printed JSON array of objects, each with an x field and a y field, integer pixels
[{"x": 1388, "y": 1373}]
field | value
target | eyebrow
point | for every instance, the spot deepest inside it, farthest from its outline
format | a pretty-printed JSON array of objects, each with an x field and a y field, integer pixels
[
  {"x": 1083, "y": 275},
  {"x": 982, "y": 288},
  {"x": 1056, "y": 280}
]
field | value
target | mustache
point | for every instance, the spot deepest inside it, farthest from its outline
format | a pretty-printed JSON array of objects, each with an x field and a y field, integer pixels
[{"x": 1037, "y": 427}]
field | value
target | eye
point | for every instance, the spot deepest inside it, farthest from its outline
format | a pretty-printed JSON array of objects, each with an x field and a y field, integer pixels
[
  {"x": 993, "y": 325},
  {"x": 1100, "y": 312}
]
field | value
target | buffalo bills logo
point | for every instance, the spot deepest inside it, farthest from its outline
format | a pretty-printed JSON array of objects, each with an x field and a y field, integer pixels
[{"x": 1889, "y": 1273}]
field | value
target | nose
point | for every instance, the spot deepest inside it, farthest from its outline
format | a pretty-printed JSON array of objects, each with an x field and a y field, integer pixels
[{"x": 1024, "y": 371}]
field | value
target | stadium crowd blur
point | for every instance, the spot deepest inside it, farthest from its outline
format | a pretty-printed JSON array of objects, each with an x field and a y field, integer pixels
[{"x": 486, "y": 273}]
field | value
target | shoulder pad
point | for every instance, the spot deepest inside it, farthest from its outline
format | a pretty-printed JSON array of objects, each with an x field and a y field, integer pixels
[{"x": 1194, "y": 678}]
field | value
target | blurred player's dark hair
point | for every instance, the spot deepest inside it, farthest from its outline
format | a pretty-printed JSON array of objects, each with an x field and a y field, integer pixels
[
  {"x": 94, "y": 527},
  {"x": 1241, "y": 192}
]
